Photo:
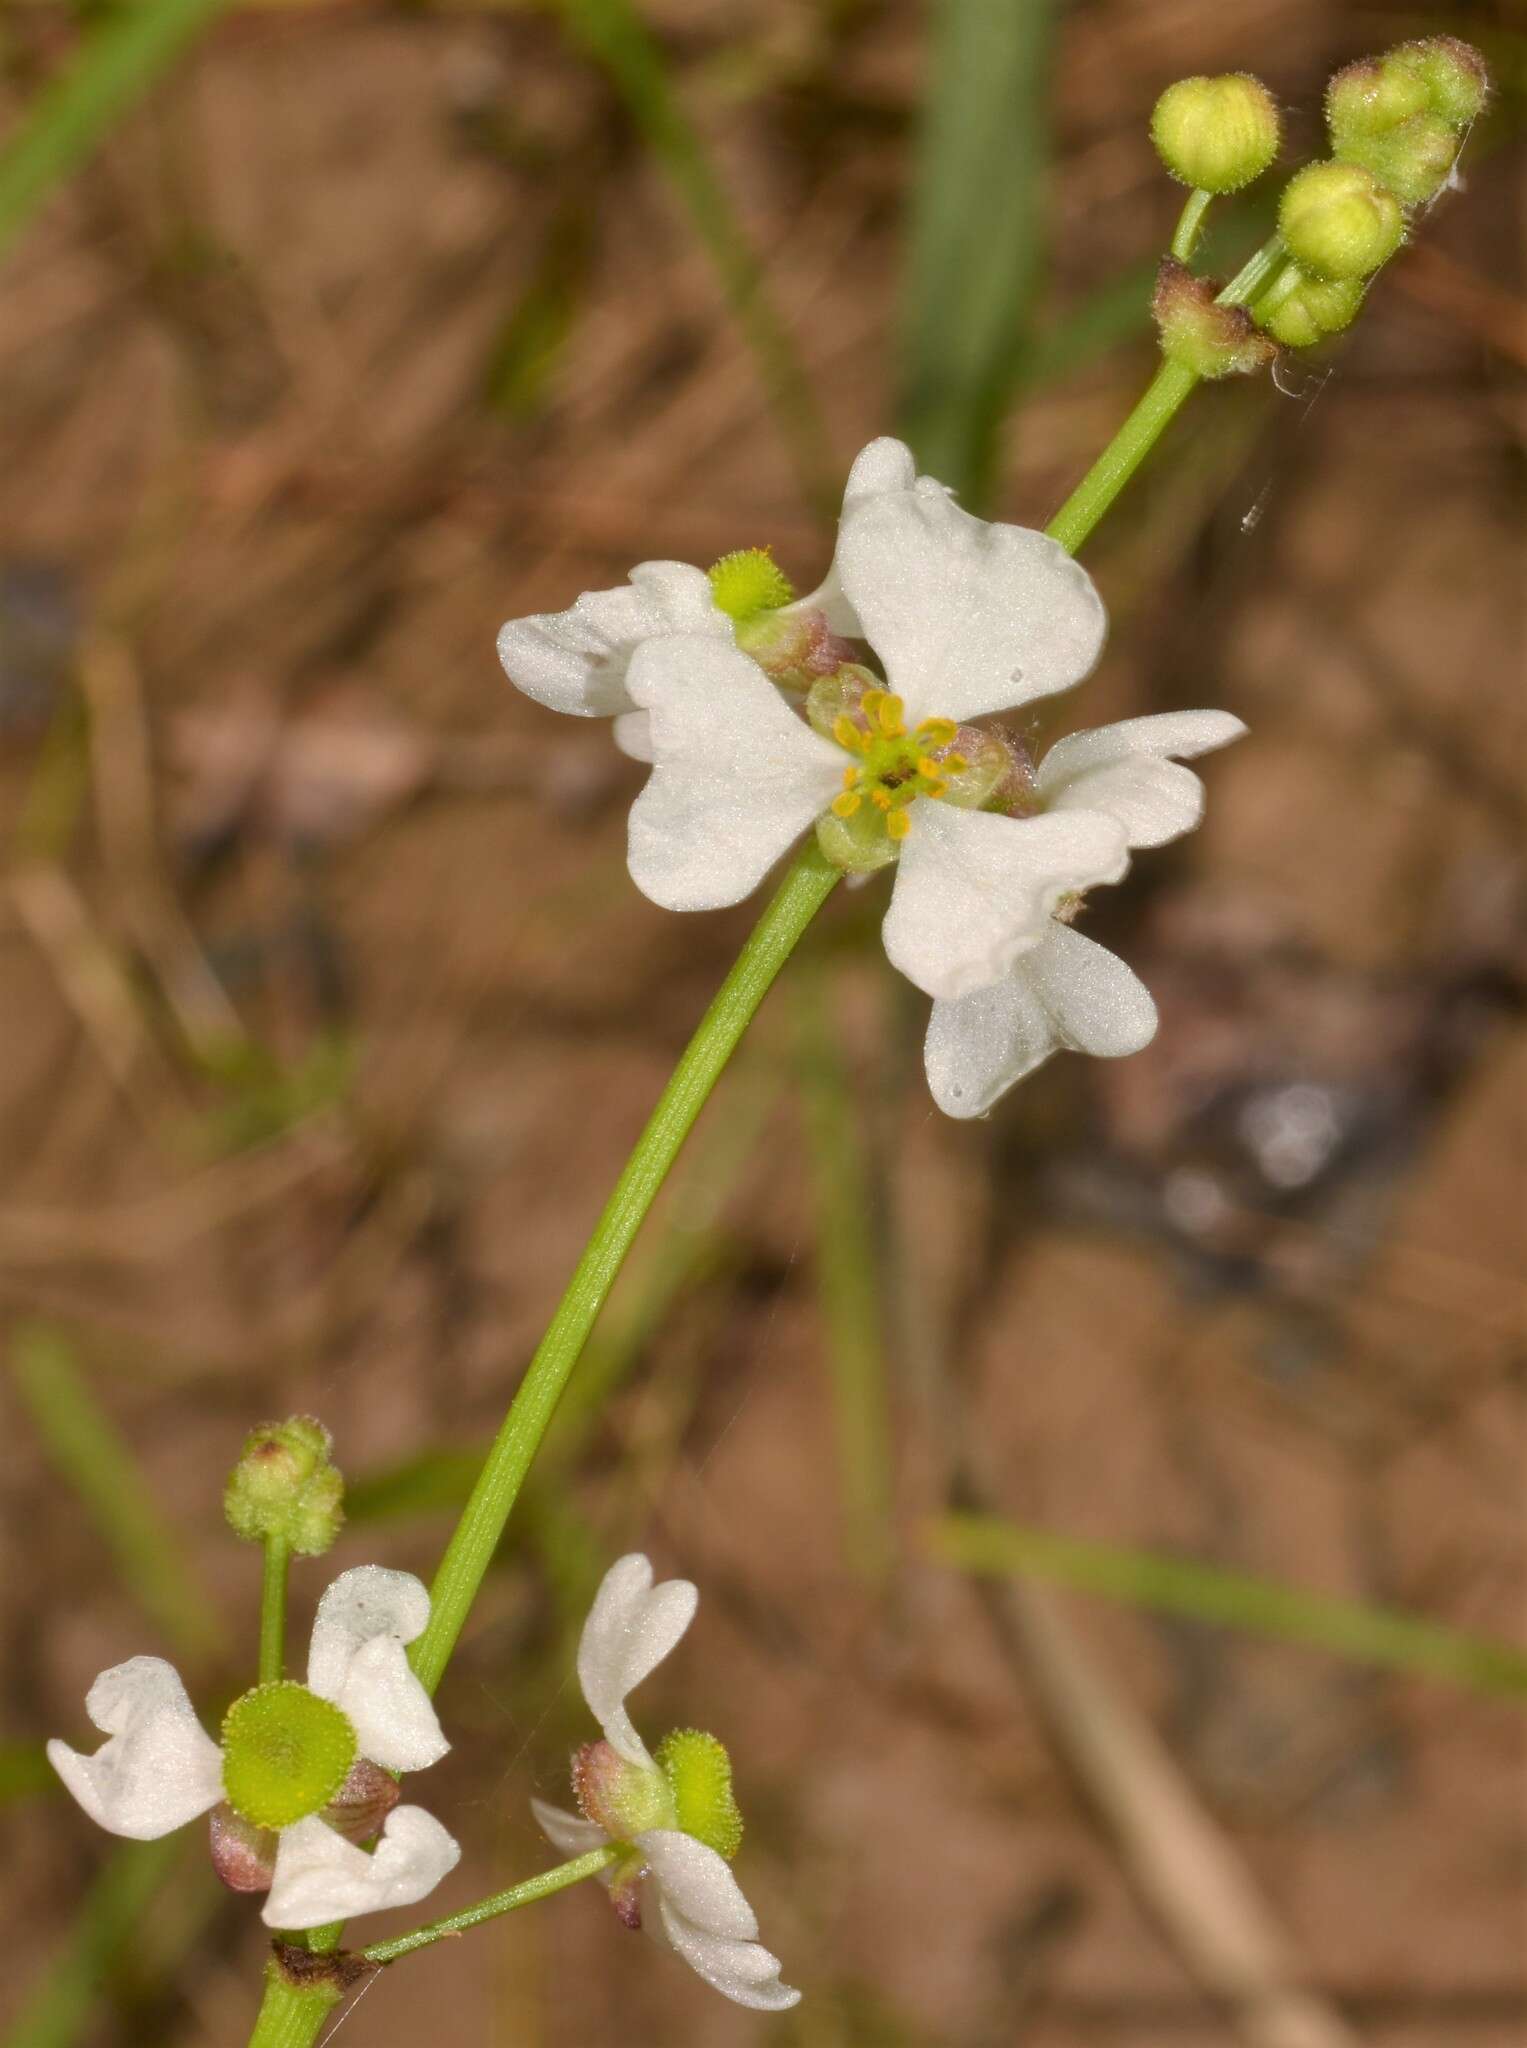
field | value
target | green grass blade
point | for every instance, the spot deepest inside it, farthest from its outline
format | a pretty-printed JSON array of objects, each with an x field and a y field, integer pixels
[
  {"x": 86, "y": 1450},
  {"x": 61, "y": 2005},
  {"x": 977, "y": 233},
  {"x": 846, "y": 1264},
  {"x": 614, "y": 35},
  {"x": 1225, "y": 1599},
  {"x": 74, "y": 112}
]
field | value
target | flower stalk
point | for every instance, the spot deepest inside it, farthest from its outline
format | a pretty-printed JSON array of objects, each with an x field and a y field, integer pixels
[
  {"x": 278, "y": 1555},
  {"x": 541, "y": 1886}
]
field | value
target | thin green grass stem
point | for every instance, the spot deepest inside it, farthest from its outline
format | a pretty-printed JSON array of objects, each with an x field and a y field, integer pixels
[
  {"x": 75, "y": 111},
  {"x": 805, "y": 888},
  {"x": 278, "y": 1557},
  {"x": 1205, "y": 1593},
  {"x": 526, "y": 1894}
]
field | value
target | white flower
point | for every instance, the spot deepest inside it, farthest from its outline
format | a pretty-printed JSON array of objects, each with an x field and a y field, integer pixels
[
  {"x": 699, "y": 1907},
  {"x": 1069, "y": 991},
  {"x": 576, "y": 661},
  {"x": 362, "y": 1704},
  {"x": 967, "y": 618}
]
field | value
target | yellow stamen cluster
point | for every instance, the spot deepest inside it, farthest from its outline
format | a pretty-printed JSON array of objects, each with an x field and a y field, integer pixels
[{"x": 895, "y": 767}]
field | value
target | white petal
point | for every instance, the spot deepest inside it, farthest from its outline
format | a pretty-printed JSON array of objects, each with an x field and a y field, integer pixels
[
  {"x": 322, "y": 1877},
  {"x": 569, "y": 1832},
  {"x": 1068, "y": 992},
  {"x": 1126, "y": 771},
  {"x": 966, "y": 617},
  {"x": 633, "y": 735},
  {"x": 710, "y": 1923},
  {"x": 159, "y": 1770},
  {"x": 885, "y": 465},
  {"x": 576, "y": 660},
  {"x": 631, "y": 1628},
  {"x": 736, "y": 776},
  {"x": 357, "y": 1660},
  {"x": 974, "y": 891}
]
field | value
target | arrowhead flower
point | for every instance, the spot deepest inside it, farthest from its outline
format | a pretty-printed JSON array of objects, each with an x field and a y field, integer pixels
[
  {"x": 301, "y": 1776},
  {"x": 673, "y": 1815}
]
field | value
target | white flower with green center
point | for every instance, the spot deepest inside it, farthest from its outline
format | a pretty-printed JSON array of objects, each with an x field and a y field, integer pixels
[
  {"x": 1068, "y": 991},
  {"x": 673, "y": 1815},
  {"x": 966, "y": 618},
  {"x": 576, "y": 661},
  {"x": 296, "y": 1765}
]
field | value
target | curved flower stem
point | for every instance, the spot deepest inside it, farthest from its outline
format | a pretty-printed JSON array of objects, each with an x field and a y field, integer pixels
[
  {"x": 1190, "y": 226},
  {"x": 273, "y": 1609},
  {"x": 1162, "y": 400},
  {"x": 539, "y": 1887},
  {"x": 806, "y": 887}
]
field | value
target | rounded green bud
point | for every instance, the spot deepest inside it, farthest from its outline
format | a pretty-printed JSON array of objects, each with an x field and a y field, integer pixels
[
  {"x": 748, "y": 582},
  {"x": 1337, "y": 221},
  {"x": 1454, "y": 74},
  {"x": 1312, "y": 310},
  {"x": 1371, "y": 97},
  {"x": 1414, "y": 159},
  {"x": 284, "y": 1486},
  {"x": 699, "y": 1771},
  {"x": 286, "y": 1752},
  {"x": 1216, "y": 134}
]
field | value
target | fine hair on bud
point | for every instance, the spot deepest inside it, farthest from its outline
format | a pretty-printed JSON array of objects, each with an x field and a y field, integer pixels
[
  {"x": 285, "y": 1487},
  {"x": 1338, "y": 221},
  {"x": 1198, "y": 332}
]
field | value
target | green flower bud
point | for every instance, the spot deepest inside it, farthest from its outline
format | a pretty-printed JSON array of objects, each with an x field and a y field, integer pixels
[
  {"x": 1371, "y": 97},
  {"x": 1337, "y": 221},
  {"x": 284, "y": 1486},
  {"x": 1414, "y": 159},
  {"x": 1455, "y": 76},
  {"x": 1207, "y": 338},
  {"x": 624, "y": 1799},
  {"x": 700, "y": 1773},
  {"x": 1216, "y": 134},
  {"x": 1312, "y": 310}
]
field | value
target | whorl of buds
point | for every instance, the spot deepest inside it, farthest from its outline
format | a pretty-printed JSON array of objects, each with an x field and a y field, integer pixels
[
  {"x": 1312, "y": 309},
  {"x": 1401, "y": 116},
  {"x": 284, "y": 1487},
  {"x": 1338, "y": 221},
  {"x": 1198, "y": 332},
  {"x": 1216, "y": 134}
]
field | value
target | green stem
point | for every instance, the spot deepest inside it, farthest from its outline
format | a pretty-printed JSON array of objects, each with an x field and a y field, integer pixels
[
  {"x": 1190, "y": 225},
  {"x": 526, "y": 1894},
  {"x": 273, "y": 1609},
  {"x": 1158, "y": 407},
  {"x": 799, "y": 897}
]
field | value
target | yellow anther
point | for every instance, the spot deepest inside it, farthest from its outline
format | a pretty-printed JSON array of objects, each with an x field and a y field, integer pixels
[
  {"x": 880, "y": 799},
  {"x": 847, "y": 734},
  {"x": 899, "y": 824},
  {"x": 936, "y": 787},
  {"x": 955, "y": 764},
  {"x": 937, "y": 732},
  {"x": 928, "y": 767},
  {"x": 850, "y": 778},
  {"x": 871, "y": 702},
  {"x": 845, "y": 805},
  {"x": 888, "y": 715}
]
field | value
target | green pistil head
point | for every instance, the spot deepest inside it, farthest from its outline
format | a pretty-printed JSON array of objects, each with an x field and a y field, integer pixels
[
  {"x": 700, "y": 1772},
  {"x": 749, "y": 582},
  {"x": 286, "y": 1753}
]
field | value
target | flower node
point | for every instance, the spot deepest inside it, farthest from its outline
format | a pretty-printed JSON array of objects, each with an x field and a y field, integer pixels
[
  {"x": 1207, "y": 338},
  {"x": 699, "y": 1770},
  {"x": 286, "y": 1752},
  {"x": 1216, "y": 134}
]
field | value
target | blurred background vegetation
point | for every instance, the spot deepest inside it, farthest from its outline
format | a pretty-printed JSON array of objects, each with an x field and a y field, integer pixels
[{"x": 1109, "y": 1517}]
